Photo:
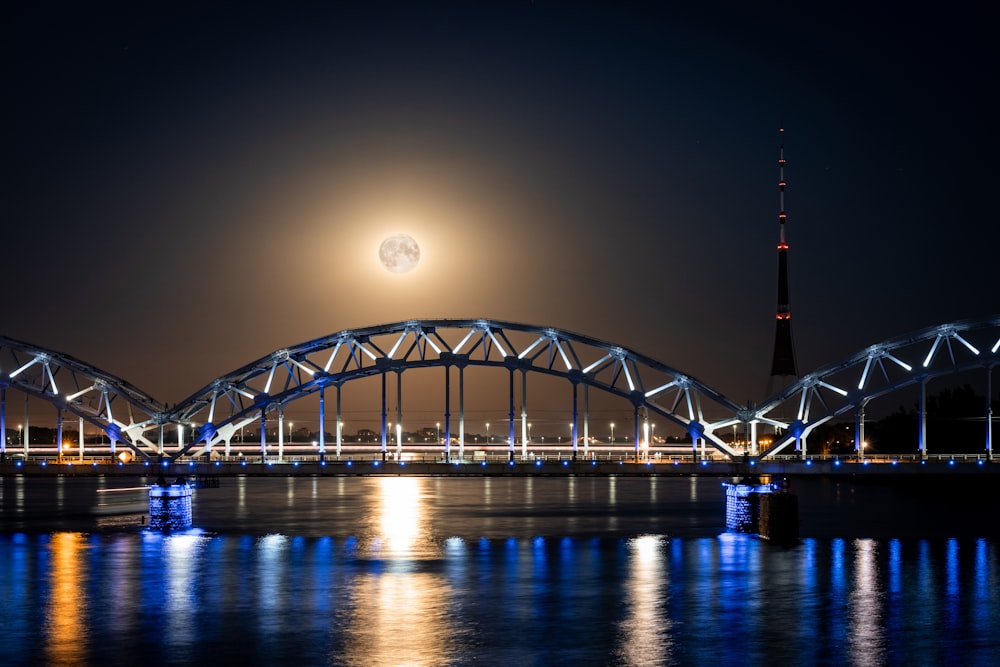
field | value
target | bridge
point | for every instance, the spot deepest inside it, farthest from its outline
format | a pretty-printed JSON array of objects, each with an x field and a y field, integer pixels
[{"x": 242, "y": 418}]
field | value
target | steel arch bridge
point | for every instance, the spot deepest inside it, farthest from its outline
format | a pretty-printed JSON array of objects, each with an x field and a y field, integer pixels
[
  {"x": 846, "y": 387},
  {"x": 247, "y": 395},
  {"x": 121, "y": 411}
]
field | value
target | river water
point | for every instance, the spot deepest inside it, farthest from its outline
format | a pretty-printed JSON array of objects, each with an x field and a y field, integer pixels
[{"x": 494, "y": 571}]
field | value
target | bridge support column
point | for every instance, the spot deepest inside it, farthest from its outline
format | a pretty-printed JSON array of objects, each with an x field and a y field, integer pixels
[
  {"x": 461, "y": 413},
  {"x": 263, "y": 435},
  {"x": 586, "y": 421},
  {"x": 510, "y": 418},
  {"x": 322, "y": 423},
  {"x": 754, "y": 447},
  {"x": 3, "y": 420},
  {"x": 81, "y": 439},
  {"x": 524, "y": 415},
  {"x": 383, "y": 417},
  {"x": 989, "y": 413},
  {"x": 635, "y": 438},
  {"x": 399, "y": 416},
  {"x": 27, "y": 427},
  {"x": 281, "y": 433},
  {"x": 340, "y": 425},
  {"x": 59, "y": 434},
  {"x": 859, "y": 433},
  {"x": 922, "y": 419},
  {"x": 159, "y": 441},
  {"x": 572, "y": 431},
  {"x": 447, "y": 414}
]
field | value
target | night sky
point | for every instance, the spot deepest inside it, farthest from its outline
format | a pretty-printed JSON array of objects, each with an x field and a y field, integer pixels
[{"x": 187, "y": 189}]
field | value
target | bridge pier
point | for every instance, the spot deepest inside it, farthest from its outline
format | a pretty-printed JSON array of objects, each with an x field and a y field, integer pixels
[
  {"x": 170, "y": 505},
  {"x": 768, "y": 510}
]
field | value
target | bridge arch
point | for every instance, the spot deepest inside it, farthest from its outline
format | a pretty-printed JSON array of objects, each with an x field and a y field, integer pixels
[
  {"x": 121, "y": 411},
  {"x": 846, "y": 387},
  {"x": 245, "y": 396}
]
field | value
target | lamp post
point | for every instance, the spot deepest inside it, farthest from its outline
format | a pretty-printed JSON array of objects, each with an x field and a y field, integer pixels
[
  {"x": 290, "y": 424},
  {"x": 487, "y": 433},
  {"x": 612, "y": 433},
  {"x": 437, "y": 432},
  {"x": 529, "y": 432}
]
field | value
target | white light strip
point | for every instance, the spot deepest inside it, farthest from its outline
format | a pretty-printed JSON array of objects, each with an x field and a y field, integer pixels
[
  {"x": 399, "y": 342},
  {"x": 52, "y": 379},
  {"x": 864, "y": 373},
  {"x": 499, "y": 346},
  {"x": 901, "y": 363},
  {"x": 653, "y": 392},
  {"x": 930, "y": 354},
  {"x": 465, "y": 340},
  {"x": 270, "y": 377},
  {"x": 308, "y": 370},
  {"x": 430, "y": 342},
  {"x": 531, "y": 347},
  {"x": 19, "y": 370},
  {"x": 211, "y": 409},
  {"x": 802, "y": 402},
  {"x": 329, "y": 362},
  {"x": 81, "y": 393},
  {"x": 996, "y": 346},
  {"x": 243, "y": 392},
  {"x": 565, "y": 358},
  {"x": 628, "y": 376},
  {"x": 596, "y": 363},
  {"x": 832, "y": 388},
  {"x": 967, "y": 344},
  {"x": 371, "y": 355}
]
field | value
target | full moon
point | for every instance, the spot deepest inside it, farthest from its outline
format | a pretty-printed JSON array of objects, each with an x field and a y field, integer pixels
[{"x": 399, "y": 253}]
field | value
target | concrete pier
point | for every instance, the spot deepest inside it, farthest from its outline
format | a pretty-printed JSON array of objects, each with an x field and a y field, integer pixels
[
  {"x": 170, "y": 505},
  {"x": 765, "y": 509}
]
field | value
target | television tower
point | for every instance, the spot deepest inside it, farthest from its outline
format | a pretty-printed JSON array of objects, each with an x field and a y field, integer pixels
[{"x": 783, "y": 370}]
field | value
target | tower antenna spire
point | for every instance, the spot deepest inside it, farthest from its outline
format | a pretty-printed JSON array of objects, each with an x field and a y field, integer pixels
[{"x": 783, "y": 370}]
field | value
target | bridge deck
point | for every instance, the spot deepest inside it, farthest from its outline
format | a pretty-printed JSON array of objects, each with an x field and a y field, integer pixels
[{"x": 950, "y": 467}]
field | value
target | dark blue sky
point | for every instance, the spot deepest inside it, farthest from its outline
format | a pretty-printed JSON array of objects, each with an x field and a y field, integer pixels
[{"x": 190, "y": 188}]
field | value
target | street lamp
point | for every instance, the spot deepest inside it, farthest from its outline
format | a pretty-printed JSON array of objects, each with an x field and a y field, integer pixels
[
  {"x": 529, "y": 432},
  {"x": 290, "y": 424},
  {"x": 438, "y": 431},
  {"x": 487, "y": 433},
  {"x": 612, "y": 433}
]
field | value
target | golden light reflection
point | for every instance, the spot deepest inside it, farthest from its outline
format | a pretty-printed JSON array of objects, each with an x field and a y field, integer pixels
[
  {"x": 400, "y": 616},
  {"x": 400, "y": 619},
  {"x": 66, "y": 612},
  {"x": 399, "y": 531},
  {"x": 644, "y": 633}
]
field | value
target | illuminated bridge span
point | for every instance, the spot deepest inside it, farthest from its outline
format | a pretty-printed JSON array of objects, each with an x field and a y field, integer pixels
[{"x": 584, "y": 378}]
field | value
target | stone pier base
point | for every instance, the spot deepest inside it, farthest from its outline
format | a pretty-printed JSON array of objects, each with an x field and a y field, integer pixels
[{"x": 170, "y": 505}]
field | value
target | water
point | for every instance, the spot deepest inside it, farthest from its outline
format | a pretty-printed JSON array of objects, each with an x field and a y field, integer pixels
[{"x": 494, "y": 571}]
